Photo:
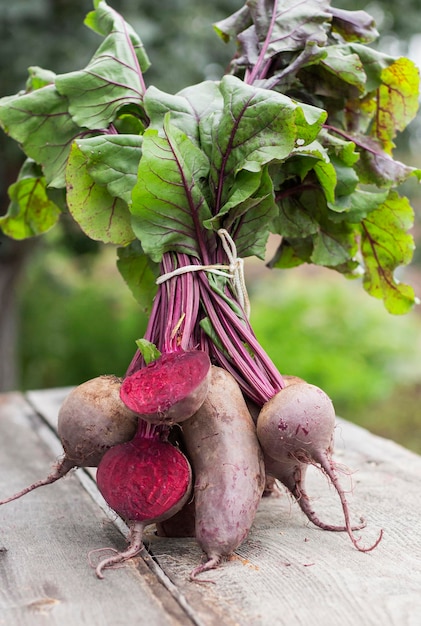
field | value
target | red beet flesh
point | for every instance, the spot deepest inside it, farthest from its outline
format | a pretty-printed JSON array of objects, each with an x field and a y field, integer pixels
[
  {"x": 170, "y": 389},
  {"x": 144, "y": 480}
]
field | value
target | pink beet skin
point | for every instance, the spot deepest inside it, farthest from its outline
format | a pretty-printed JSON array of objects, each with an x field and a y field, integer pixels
[
  {"x": 170, "y": 389},
  {"x": 295, "y": 428}
]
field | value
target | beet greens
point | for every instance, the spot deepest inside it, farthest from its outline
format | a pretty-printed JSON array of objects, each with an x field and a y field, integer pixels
[{"x": 265, "y": 149}]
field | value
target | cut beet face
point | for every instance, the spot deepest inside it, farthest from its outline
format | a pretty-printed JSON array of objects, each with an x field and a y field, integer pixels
[
  {"x": 170, "y": 389},
  {"x": 144, "y": 480}
]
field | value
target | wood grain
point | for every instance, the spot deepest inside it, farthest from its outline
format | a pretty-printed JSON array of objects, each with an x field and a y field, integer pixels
[
  {"x": 45, "y": 539},
  {"x": 286, "y": 573}
]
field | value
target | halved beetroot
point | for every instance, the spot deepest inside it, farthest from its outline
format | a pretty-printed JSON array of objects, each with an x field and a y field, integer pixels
[
  {"x": 144, "y": 480},
  {"x": 170, "y": 389}
]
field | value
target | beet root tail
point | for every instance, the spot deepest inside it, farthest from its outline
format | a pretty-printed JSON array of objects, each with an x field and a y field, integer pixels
[
  {"x": 59, "y": 471},
  {"x": 304, "y": 502},
  {"x": 294, "y": 482},
  {"x": 133, "y": 549},
  {"x": 329, "y": 468},
  {"x": 211, "y": 563}
]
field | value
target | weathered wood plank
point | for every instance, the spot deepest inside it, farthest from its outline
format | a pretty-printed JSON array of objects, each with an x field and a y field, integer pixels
[
  {"x": 47, "y": 403},
  {"x": 289, "y": 572},
  {"x": 45, "y": 537}
]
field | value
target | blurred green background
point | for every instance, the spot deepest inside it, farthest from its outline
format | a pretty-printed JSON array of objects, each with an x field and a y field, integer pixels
[{"x": 68, "y": 316}]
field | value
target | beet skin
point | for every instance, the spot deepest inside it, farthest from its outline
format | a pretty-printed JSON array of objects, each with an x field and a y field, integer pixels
[{"x": 224, "y": 451}]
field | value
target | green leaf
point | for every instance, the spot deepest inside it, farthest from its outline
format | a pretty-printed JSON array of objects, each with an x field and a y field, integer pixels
[
  {"x": 129, "y": 121},
  {"x": 342, "y": 149},
  {"x": 299, "y": 164},
  {"x": 248, "y": 213},
  {"x": 100, "y": 215},
  {"x": 292, "y": 253},
  {"x": 158, "y": 104},
  {"x": 357, "y": 205},
  {"x": 385, "y": 245},
  {"x": 308, "y": 121},
  {"x": 295, "y": 23},
  {"x": 374, "y": 63},
  {"x": 38, "y": 77},
  {"x": 337, "y": 77},
  {"x": 169, "y": 205},
  {"x": 359, "y": 113},
  {"x": 148, "y": 350},
  {"x": 345, "y": 65},
  {"x": 347, "y": 73},
  {"x": 328, "y": 178},
  {"x": 294, "y": 220},
  {"x": 397, "y": 101},
  {"x": 139, "y": 273},
  {"x": 247, "y": 184},
  {"x": 288, "y": 26},
  {"x": 31, "y": 212},
  {"x": 315, "y": 172},
  {"x": 306, "y": 216},
  {"x": 185, "y": 109},
  {"x": 106, "y": 21},
  {"x": 112, "y": 161},
  {"x": 379, "y": 168},
  {"x": 334, "y": 244},
  {"x": 346, "y": 177},
  {"x": 58, "y": 197},
  {"x": 205, "y": 100},
  {"x": 113, "y": 78},
  {"x": 354, "y": 25},
  {"x": 255, "y": 127},
  {"x": 250, "y": 221},
  {"x": 40, "y": 122},
  {"x": 234, "y": 24},
  {"x": 331, "y": 167},
  {"x": 285, "y": 79}
]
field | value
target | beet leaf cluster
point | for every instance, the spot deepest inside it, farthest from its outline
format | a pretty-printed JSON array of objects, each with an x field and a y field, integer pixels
[{"x": 296, "y": 139}]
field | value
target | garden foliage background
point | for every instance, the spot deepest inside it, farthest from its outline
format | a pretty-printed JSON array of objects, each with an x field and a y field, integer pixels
[{"x": 66, "y": 314}]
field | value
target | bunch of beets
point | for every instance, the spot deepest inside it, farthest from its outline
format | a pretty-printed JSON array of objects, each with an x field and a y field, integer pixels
[
  {"x": 197, "y": 432},
  {"x": 294, "y": 141}
]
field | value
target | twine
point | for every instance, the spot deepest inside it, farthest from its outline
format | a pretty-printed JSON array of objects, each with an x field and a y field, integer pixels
[{"x": 234, "y": 271}]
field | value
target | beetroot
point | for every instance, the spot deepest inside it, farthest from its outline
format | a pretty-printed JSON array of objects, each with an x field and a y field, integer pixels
[
  {"x": 254, "y": 409},
  {"x": 91, "y": 419},
  {"x": 146, "y": 480},
  {"x": 222, "y": 446},
  {"x": 295, "y": 428},
  {"x": 182, "y": 524},
  {"x": 170, "y": 389}
]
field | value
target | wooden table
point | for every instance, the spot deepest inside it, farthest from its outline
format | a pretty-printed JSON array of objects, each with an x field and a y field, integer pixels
[{"x": 286, "y": 572}]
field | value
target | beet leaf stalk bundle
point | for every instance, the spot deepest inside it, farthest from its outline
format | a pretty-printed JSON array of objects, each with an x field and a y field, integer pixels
[
  {"x": 295, "y": 140},
  {"x": 204, "y": 314}
]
